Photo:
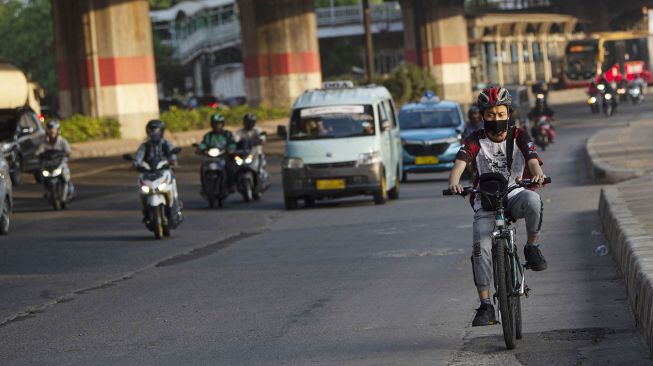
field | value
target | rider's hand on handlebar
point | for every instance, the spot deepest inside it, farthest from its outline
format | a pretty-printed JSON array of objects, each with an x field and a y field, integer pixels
[
  {"x": 539, "y": 179},
  {"x": 456, "y": 188}
]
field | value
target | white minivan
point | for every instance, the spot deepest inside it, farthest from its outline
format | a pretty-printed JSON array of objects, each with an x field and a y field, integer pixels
[{"x": 342, "y": 141}]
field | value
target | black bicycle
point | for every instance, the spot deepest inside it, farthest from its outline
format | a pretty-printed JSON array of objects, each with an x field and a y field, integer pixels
[{"x": 509, "y": 279}]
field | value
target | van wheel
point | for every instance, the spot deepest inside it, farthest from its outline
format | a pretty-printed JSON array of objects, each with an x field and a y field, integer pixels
[
  {"x": 393, "y": 194},
  {"x": 290, "y": 203},
  {"x": 381, "y": 196}
]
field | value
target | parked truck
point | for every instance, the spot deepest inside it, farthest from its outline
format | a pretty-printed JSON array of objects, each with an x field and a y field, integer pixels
[{"x": 21, "y": 130}]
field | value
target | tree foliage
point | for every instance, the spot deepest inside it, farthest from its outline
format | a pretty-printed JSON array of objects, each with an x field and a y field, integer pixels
[
  {"x": 408, "y": 82},
  {"x": 162, "y": 4},
  {"x": 27, "y": 41}
]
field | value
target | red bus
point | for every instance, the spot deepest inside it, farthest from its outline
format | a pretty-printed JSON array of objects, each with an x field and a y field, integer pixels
[{"x": 618, "y": 55}]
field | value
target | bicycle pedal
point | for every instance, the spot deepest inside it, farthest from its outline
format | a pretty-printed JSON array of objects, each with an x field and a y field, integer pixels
[{"x": 527, "y": 290}]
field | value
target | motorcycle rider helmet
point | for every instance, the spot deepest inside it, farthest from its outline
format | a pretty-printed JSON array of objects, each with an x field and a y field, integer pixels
[
  {"x": 53, "y": 124},
  {"x": 217, "y": 119},
  {"x": 492, "y": 96},
  {"x": 473, "y": 109},
  {"x": 155, "y": 129},
  {"x": 249, "y": 121}
]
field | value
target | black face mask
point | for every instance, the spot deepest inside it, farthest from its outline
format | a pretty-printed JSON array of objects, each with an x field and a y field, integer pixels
[{"x": 497, "y": 126}]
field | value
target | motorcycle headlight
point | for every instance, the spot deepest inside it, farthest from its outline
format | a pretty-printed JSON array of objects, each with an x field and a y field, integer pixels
[
  {"x": 145, "y": 189},
  {"x": 214, "y": 152},
  {"x": 369, "y": 158},
  {"x": 292, "y": 163},
  {"x": 56, "y": 172},
  {"x": 239, "y": 160},
  {"x": 600, "y": 87},
  {"x": 621, "y": 91},
  {"x": 249, "y": 159},
  {"x": 162, "y": 186},
  {"x": 45, "y": 173},
  {"x": 540, "y": 96},
  {"x": 6, "y": 147},
  {"x": 608, "y": 96},
  {"x": 592, "y": 100}
]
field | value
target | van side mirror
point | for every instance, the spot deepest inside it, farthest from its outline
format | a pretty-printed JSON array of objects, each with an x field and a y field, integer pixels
[
  {"x": 282, "y": 131},
  {"x": 386, "y": 125}
]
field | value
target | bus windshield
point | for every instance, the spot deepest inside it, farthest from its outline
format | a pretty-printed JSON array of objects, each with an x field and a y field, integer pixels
[{"x": 581, "y": 60}]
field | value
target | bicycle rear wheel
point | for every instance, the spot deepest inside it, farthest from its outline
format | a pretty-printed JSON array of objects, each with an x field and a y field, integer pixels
[{"x": 504, "y": 292}]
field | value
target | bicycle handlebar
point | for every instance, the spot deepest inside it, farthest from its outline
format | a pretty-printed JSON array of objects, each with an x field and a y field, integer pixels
[{"x": 525, "y": 183}]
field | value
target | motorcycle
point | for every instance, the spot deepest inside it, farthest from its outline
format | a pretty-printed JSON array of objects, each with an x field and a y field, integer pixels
[
  {"x": 58, "y": 189},
  {"x": 543, "y": 132},
  {"x": 251, "y": 177},
  {"x": 622, "y": 93},
  {"x": 214, "y": 175},
  {"x": 158, "y": 194},
  {"x": 593, "y": 102},
  {"x": 609, "y": 101},
  {"x": 635, "y": 94}
]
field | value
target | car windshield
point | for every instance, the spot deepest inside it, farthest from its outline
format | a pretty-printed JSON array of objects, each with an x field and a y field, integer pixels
[
  {"x": 428, "y": 118},
  {"x": 332, "y": 122},
  {"x": 7, "y": 126}
]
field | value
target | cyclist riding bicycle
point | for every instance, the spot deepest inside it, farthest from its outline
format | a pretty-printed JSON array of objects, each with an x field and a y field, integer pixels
[{"x": 486, "y": 151}]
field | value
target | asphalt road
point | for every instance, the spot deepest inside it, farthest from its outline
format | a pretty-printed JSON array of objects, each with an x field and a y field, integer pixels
[{"x": 344, "y": 283}]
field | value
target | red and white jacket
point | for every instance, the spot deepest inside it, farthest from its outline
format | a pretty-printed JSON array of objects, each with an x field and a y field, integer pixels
[{"x": 487, "y": 156}]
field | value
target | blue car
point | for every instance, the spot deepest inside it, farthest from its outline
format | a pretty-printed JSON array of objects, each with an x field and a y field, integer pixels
[{"x": 430, "y": 135}]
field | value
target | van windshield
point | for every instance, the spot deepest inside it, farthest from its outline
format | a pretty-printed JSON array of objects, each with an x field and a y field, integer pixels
[
  {"x": 428, "y": 118},
  {"x": 331, "y": 122}
]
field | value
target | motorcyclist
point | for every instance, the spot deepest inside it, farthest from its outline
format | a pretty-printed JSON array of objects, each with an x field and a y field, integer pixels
[
  {"x": 223, "y": 139},
  {"x": 474, "y": 121},
  {"x": 55, "y": 142},
  {"x": 486, "y": 150},
  {"x": 152, "y": 151}
]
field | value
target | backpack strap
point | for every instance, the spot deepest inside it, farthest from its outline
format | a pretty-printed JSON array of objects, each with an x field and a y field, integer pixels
[{"x": 510, "y": 147}]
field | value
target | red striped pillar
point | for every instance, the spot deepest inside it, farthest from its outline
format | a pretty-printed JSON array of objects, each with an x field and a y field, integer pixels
[
  {"x": 105, "y": 61},
  {"x": 280, "y": 50},
  {"x": 435, "y": 37}
]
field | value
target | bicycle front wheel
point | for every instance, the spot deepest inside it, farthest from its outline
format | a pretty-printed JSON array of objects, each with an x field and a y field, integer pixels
[{"x": 504, "y": 292}]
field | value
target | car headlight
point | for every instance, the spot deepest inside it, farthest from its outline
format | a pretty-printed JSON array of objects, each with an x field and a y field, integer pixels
[
  {"x": 145, "y": 189},
  {"x": 45, "y": 173},
  {"x": 162, "y": 186},
  {"x": 592, "y": 100},
  {"x": 56, "y": 172},
  {"x": 453, "y": 139},
  {"x": 214, "y": 152},
  {"x": 292, "y": 163},
  {"x": 239, "y": 160},
  {"x": 369, "y": 158},
  {"x": 608, "y": 96}
]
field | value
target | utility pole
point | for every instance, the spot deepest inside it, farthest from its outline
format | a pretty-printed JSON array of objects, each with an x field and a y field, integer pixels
[{"x": 369, "y": 51}]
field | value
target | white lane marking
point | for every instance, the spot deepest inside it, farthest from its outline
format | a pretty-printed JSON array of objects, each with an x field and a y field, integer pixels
[
  {"x": 405, "y": 253},
  {"x": 466, "y": 226}
]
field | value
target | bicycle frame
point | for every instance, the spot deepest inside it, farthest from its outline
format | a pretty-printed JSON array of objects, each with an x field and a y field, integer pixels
[{"x": 504, "y": 230}]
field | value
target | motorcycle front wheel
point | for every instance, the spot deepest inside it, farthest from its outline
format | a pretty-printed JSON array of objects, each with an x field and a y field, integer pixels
[
  {"x": 157, "y": 222},
  {"x": 55, "y": 196}
]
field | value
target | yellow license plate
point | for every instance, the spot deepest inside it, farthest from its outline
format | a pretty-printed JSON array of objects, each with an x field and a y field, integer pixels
[
  {"x": 426, "y": 160},
  {"x": 324, "y": 184}
]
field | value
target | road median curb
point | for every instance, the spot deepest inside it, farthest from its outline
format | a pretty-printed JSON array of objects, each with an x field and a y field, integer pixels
[
  {"x": 632, "y": 249},
  {"x": 602, "y": 172}
]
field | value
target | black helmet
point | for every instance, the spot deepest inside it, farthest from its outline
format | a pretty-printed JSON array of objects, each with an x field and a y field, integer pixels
[
  {"x": 53, "y": 124},
  {"x": 473, "y": 109},
  {"x": 217, "y": 119},
  {"x": 155, "y": 129},
  {"x": 249, "y": 121}
]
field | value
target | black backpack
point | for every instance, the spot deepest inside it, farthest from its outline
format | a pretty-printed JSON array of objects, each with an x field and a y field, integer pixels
[{"x": 495, "y": 182}]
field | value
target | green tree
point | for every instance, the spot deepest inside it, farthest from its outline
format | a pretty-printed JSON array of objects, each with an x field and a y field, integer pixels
[
  {"x": 168, "y": 69},
  {"x": 162, "y": 4},
  {"x": 408, "y": 82},
  {"x": 27, "y": 41}
]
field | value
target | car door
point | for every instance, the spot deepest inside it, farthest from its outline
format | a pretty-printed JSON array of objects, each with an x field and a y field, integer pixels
[
  {"x": 386, "y": 142},
  {"x": 397, "y": 152}
]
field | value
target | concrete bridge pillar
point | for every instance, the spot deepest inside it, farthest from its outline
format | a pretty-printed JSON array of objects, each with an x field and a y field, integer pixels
[
  {"x": 280, "y": 50},
  {"x": 435, "y": 37},
  {"x": 105, "y": 61}
]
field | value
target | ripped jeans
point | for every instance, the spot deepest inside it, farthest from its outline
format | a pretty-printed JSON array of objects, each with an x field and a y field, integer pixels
[{"x": 524, "y": 205}]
